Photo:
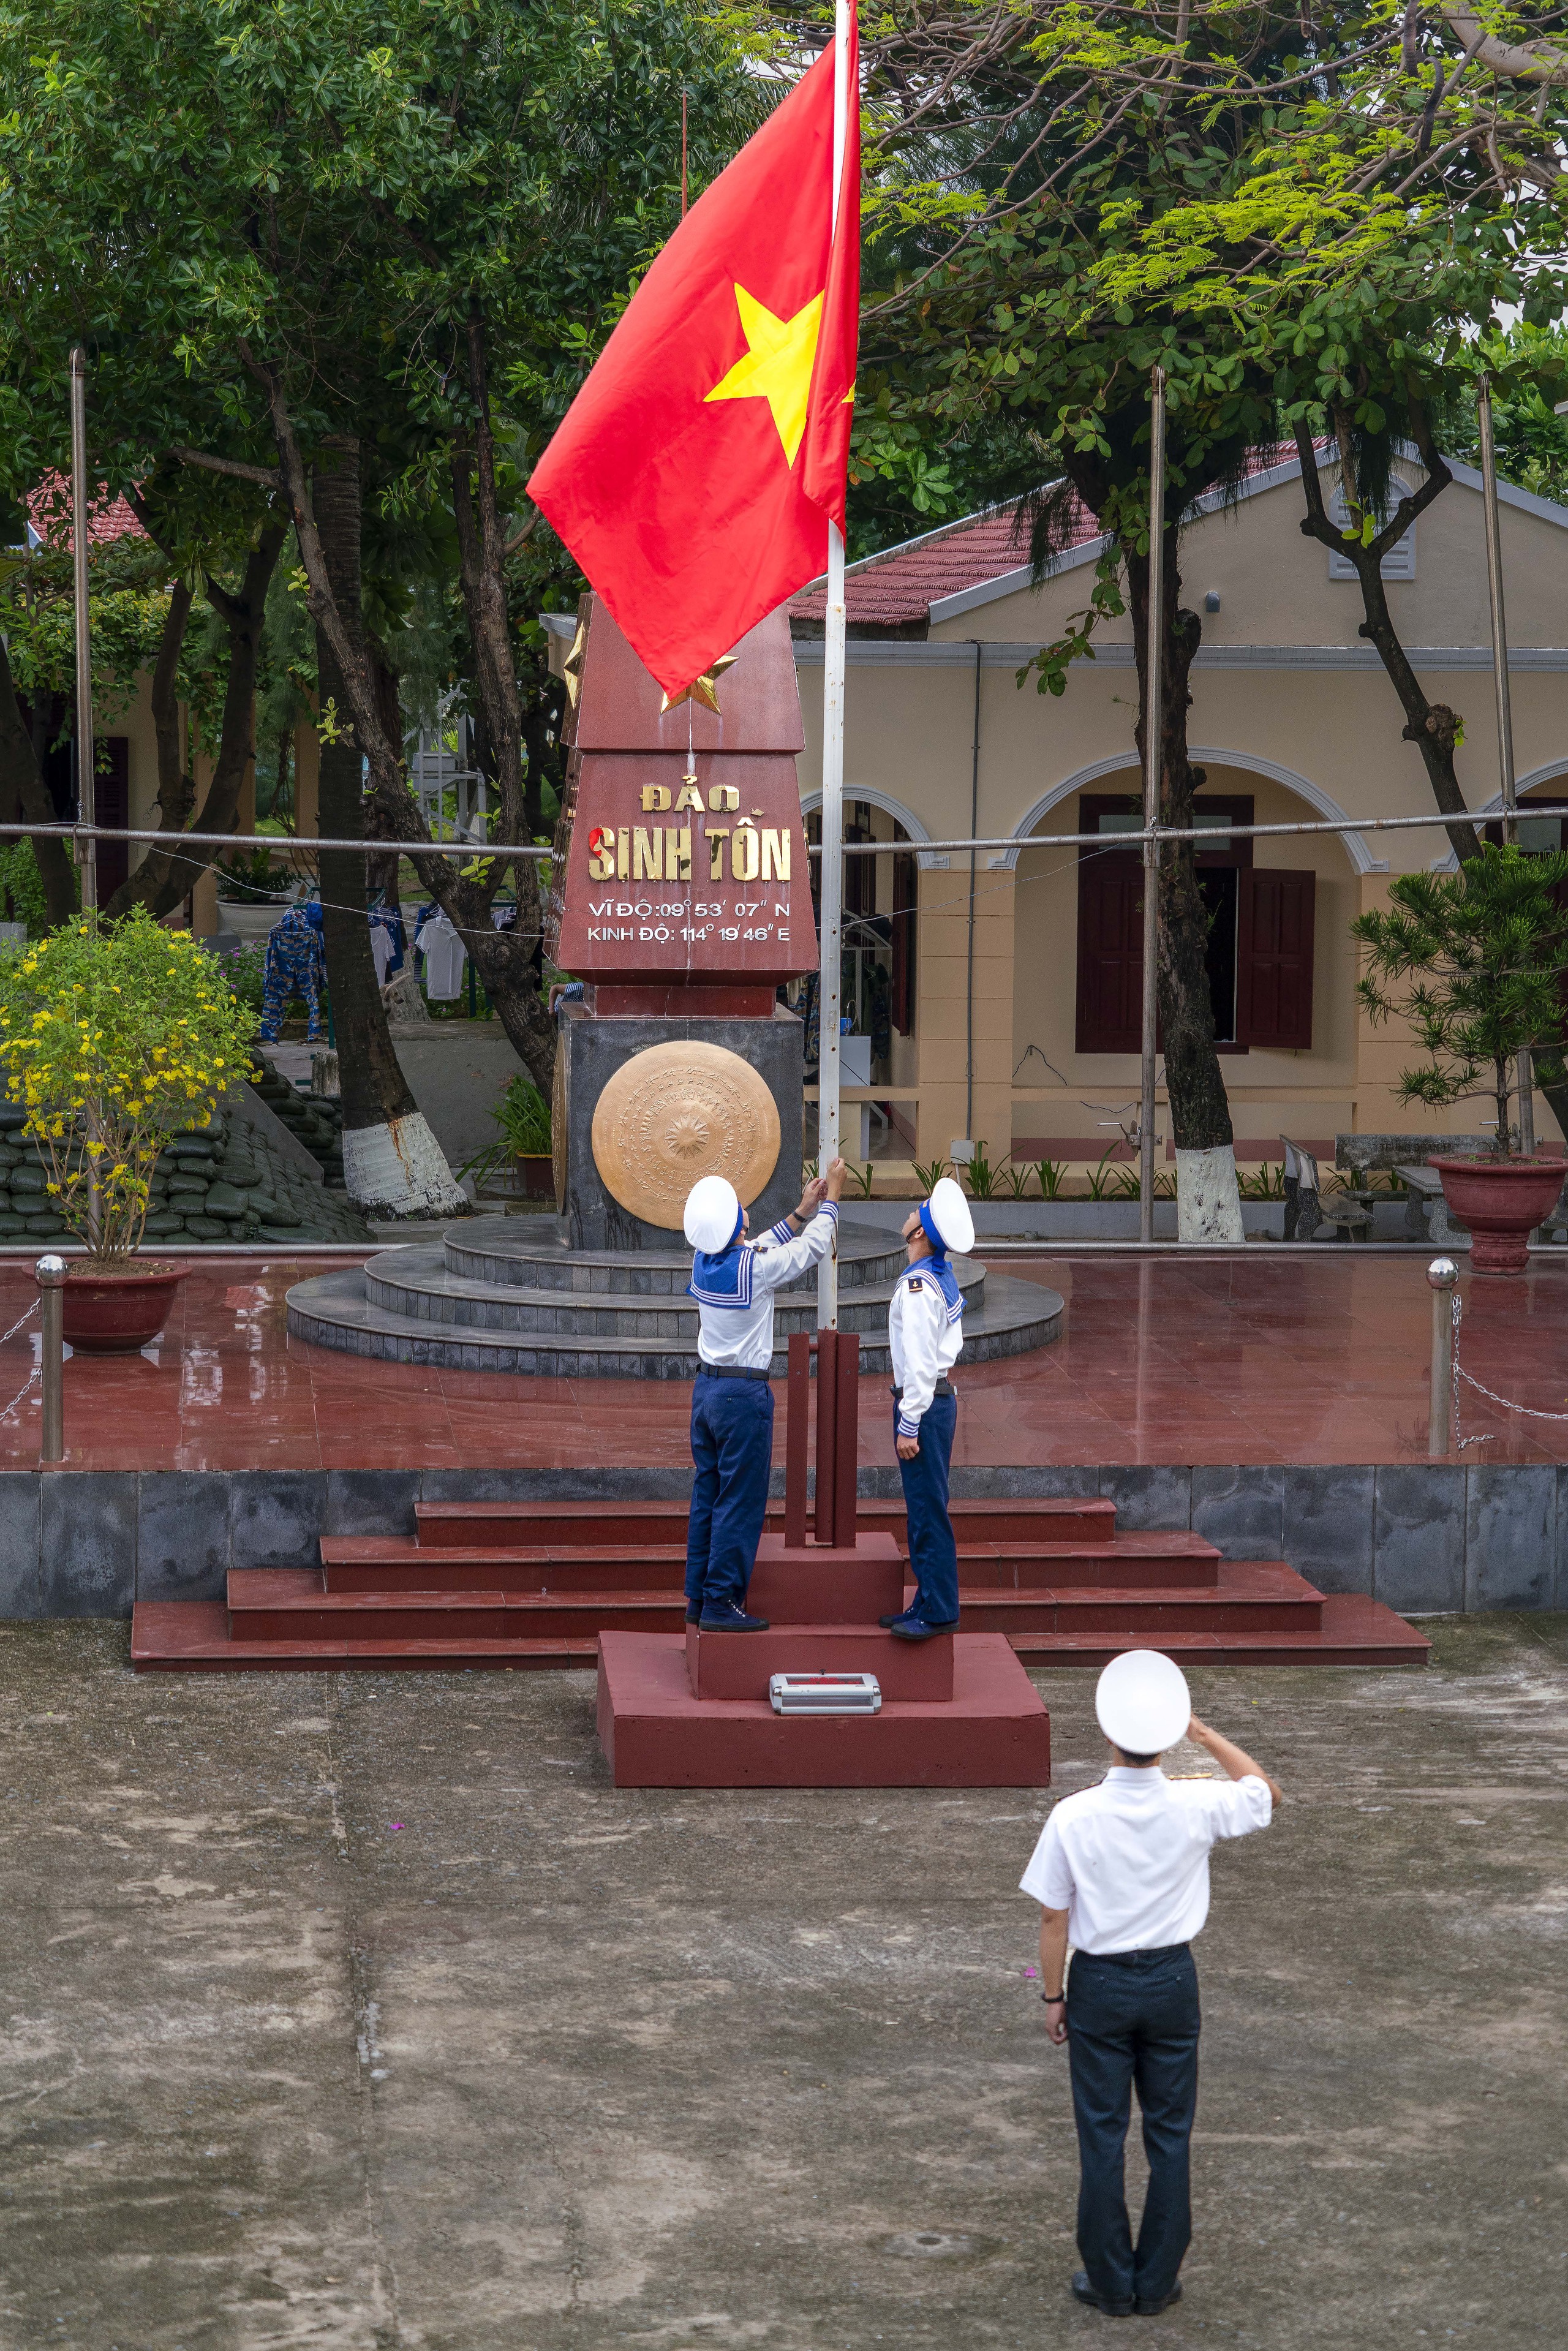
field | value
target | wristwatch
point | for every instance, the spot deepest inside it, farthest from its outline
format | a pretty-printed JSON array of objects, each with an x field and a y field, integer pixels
[{"x": 1053, "y": 1999}]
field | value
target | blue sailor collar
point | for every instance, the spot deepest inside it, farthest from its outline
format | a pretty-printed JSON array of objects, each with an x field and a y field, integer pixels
[
  {"x": 722, "y": 1276},
  {"x": 939, "y": 1272}
]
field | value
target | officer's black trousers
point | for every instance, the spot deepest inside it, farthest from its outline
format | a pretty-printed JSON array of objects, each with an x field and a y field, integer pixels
[{"x": 1133, "y": 2019}]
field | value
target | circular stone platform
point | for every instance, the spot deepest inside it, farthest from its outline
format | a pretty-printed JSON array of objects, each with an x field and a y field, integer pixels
[{"x": 510, "y": 1294}]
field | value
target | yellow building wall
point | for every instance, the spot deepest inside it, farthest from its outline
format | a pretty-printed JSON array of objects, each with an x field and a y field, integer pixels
[{"x": 1288, "y": 713}]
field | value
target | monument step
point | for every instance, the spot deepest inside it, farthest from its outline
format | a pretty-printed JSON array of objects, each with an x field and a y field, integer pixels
[
  {"x": 740, "y": 1665},
  {"x": 1353, "y": 1631},
  {"x": 195, "y": 1636},
  {"x": 419, "y": 1284},
  {"x": 198, "y": 1636},
  {"x": 288, "y": 1604},
  {"x": 1247, "y": 1596},
  {"x": 1035, "y": 1521},
  {"x": 331, "y": 1311},
  {"x": 398, "y": 1563},
  {"x": 993, "y": 1732},
  {"x": 536, "y": 1253}
]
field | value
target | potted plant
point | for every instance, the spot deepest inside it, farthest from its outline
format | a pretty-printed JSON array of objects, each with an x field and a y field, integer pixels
[
  {"x": 114, "y": 1037},
  {"x": 523, "y": 1117},
  {"x": 1474, "y": 962}
]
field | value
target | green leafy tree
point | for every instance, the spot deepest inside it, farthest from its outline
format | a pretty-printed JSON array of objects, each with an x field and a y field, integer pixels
[
  {"x": 1300, "y": 216},
  {"x": 1474, "y": 962}
]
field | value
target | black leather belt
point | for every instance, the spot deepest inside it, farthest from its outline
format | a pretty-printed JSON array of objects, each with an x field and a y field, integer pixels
[
  {"x": 943, "y": 1387},
  {"x": 1130, "y": 1959},
  {"x": 729, "y": 1371}
]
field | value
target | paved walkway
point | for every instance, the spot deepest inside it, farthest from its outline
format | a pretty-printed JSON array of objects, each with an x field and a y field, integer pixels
[
  {"x": 364, "y": 2014},
  {"x": 1236, "y": 1360}
]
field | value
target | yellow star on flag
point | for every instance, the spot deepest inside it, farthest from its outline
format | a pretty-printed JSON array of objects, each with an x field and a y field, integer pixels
[{"x": 778, "y": 365}]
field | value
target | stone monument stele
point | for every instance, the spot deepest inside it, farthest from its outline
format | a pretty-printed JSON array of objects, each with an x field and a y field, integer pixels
[{"x": 681, "y": 898}]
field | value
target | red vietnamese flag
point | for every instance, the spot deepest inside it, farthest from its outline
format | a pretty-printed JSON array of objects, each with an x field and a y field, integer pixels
[{"x": 694, "y": 475}]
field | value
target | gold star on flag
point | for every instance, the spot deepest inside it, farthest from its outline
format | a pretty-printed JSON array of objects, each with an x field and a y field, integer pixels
[{"x": 778, "y": 365}]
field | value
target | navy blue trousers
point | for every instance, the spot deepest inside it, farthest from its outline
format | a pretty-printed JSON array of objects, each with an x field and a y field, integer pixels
[
  {"x": 933, "y": 1553},
  {"x": 1133, "y": 2019},
  {"x": 732, "y": 1452}
]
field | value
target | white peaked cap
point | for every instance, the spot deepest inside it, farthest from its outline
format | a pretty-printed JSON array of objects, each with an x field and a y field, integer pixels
[
  {"x": 713, "y": 1212},
  {"x": 950, "y": 1215},
  {"x": 1143, "y": 1702}
]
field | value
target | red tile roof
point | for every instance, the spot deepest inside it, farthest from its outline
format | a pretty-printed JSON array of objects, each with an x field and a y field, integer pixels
[
  {"x": 49, "y": 512},
  {"x": 894, "y": 591},
  {"x": 898, "y": 587}
]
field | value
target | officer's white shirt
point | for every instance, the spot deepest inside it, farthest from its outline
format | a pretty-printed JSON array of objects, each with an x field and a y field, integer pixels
[
  {"x": 1128, "y": 1861},
  {"x": 743, "y": 1335},
  {"x": 925, "y": 1345}
]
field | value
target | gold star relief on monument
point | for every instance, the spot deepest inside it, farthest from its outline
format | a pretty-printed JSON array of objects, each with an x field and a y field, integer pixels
[
  {"x": 704, "y": 689},
  {"x": 777, "y": 367},
  {"x": 571, "y": 666}
]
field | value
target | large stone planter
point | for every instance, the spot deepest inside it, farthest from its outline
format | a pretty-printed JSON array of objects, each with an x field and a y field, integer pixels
[
  {"x": 116, "y": 1313},
  {"x": 1501, "y": 1201}
]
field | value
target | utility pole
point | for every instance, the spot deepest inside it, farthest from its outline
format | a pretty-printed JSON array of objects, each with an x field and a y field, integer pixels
[
  {"x": 1153, "y": 714},
  {"x": 86, "y": 847}
]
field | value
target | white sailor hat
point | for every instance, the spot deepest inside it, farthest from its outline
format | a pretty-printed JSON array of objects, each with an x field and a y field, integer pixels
[
  {"x": 946, "y": 1218},
  {"x": 1143, "y": 1702},
  {"x": 712, "y": 1214}
]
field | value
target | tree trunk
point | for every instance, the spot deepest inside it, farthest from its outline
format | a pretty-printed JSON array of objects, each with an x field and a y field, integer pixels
[
  {"x": 24, "y": 791},
  {"x": 167, "y": 875},
  {"x": 1208, "y": 1205},
  {"x": 507, "y": 961},
  {"x": 393, "y": 1164},
  {"x": 1432, "y": 726}
]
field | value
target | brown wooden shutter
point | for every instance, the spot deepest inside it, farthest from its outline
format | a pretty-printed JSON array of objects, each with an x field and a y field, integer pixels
[
  {"x": 906, "y": 918},
  {"x": 1109, "y": 955},
  {"x": 1274, "y": 958}
]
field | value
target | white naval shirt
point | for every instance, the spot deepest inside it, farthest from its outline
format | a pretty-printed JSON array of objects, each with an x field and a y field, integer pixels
[
  {"x": 1128, "y": 1861},
  {"x": 743, "y": 1335},
  {"x": 923, "y": 1344}
]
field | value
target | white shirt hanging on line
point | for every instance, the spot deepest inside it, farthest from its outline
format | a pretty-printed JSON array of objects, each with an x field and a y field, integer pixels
[
  {"x": 1128, "y": 1861},
  {"x": 380, "y": 951},
  {"x": 445, "y": 956}
]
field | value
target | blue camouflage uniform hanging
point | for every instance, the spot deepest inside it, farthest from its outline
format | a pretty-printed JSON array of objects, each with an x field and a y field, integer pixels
[{"x": 296, "y": 965}]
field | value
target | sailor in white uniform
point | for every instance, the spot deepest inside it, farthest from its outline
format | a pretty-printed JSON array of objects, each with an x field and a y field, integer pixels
[
  {"x": 734, "y": 1281},
  {"x": 925, "y": 1336}
]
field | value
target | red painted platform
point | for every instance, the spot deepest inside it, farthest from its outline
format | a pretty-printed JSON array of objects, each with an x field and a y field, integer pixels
[
  {"x": 479, "y": 1597},
  {"x": 739, "y": 1665},
  {"x": 993, "y": 1733}
]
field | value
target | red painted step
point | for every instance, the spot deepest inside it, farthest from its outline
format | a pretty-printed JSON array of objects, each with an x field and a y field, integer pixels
[
  {"x": 272, "y": 1605},
  {"x": 397, "y": 1564},
  {"x": 469, "y": 1525},
  {"x": 1353, "y": 1631},
  {"x": 1249, "y": 1597},
  {"x": 193, "y": 1636}
]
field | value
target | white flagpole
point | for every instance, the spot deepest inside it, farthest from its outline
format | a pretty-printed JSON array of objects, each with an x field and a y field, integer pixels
[{"x": 832, "y": 863}]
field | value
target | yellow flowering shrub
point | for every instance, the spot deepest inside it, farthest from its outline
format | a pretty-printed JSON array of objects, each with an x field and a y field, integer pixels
[{"x": 114, "y": 1038}]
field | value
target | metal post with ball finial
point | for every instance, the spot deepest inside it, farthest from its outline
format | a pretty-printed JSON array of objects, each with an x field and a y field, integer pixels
[{"x": 1442, "y": 1274}]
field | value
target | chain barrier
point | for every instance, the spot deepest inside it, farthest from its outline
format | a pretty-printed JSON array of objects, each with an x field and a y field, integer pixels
[
  {"x": 1470, "y": 1379},
  {"x": 33, "y": 1374}
]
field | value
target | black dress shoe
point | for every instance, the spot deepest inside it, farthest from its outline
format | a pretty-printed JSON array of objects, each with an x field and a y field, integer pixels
[
  {"x": 1146, "y": 2307},
  {"x": 1096, "y": 2301}
]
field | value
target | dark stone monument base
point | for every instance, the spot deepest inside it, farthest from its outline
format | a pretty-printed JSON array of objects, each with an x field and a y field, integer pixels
[{"x": 594, "y": 1046}]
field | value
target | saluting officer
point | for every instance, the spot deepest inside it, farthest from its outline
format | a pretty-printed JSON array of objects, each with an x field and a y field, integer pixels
[
  {"x": 926, "y": 1334},
  {"x": 734, "y": 1281}
]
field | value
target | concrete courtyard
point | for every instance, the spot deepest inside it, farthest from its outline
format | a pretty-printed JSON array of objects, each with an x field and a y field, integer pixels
[{"x": 348, "y": 2012}]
